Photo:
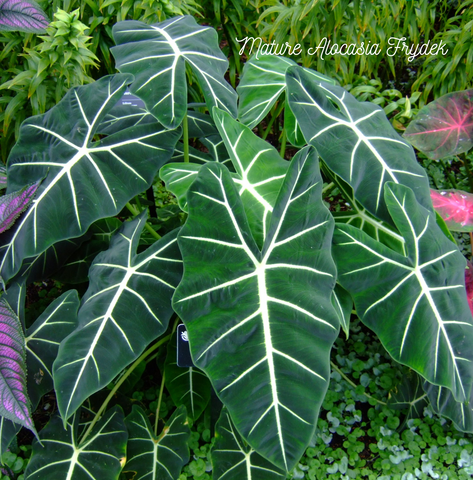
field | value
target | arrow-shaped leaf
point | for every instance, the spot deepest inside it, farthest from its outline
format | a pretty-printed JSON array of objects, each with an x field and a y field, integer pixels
[
  {"x": 42, "y": 343},
  {"x": 22, "y": 16},
  {"x": 127, "y": 306},
  {"x": 84, "y": 180},
  {"x": 356, "y": 141},
  {"x": 43, "y": 339},
  {"x": 259, "y": 173},
  {"x": 157, "y": 457},
  {"x": 416, "y": 304},
  {"x": 234, "y": 459},
  {"x": 261, "y": 323},
  {"x": 157, "y": 56},
  {"x": 261, "y": 85},
  {"x": 62, "y": 457},
  {"x": 444, "y": 127},
  {"x": 46, "y": 264},
  {"x": 263, "y": 81}
]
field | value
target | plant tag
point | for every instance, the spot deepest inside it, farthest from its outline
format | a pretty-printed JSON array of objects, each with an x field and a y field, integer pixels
[
  {"x": 131, "y": 100},
  {"x": 184, "y": 358}
]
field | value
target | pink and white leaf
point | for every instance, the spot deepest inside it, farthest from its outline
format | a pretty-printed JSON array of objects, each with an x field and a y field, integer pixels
[
  {"x": 444, "y": 127},
  {"x": 455, "y": 207}
]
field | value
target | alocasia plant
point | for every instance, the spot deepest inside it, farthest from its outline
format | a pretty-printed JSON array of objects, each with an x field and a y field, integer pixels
[{"x": 262, "y": 274}]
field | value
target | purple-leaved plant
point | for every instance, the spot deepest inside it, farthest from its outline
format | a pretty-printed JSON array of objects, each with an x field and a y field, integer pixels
[
  {"x": 14, "y": 203},
  {"x": 22, "y": 16},
  {"x": 14, "y": 401}
]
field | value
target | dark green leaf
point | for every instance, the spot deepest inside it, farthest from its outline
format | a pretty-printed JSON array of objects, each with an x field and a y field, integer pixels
[
  {"x": 157, "y": 56},
  {"x": 62, "y": 457},
  {"x": 157, "y": 457},
  {"x": 127, "y": 306},
  {"x": 261, "y": 323},
  {"x": 234, "y": 459}
]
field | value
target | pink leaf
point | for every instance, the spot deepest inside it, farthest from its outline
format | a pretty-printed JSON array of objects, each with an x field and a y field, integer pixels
[
  {"x": 444, "y": 127},
  {"x": 455, "y": 207},
  {"x": 469, "y": 284}
]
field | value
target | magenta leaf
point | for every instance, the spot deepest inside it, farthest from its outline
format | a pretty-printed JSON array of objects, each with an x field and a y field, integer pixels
[
  {"x": 14, "y": 203},
  {"x": 22, "y": 16},
  {"x": 444, "y": 127},
  {"x": 455, "y": 207},
  {"x": 469, "y": 284},
  {"x": 14, "y": 401}
]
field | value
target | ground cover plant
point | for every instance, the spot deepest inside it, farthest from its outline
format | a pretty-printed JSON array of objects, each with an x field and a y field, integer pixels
[{"x": 262, "y": 274}]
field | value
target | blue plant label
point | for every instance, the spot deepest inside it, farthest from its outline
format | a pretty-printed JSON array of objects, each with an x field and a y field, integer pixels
[{"x": 184, "y": 358}]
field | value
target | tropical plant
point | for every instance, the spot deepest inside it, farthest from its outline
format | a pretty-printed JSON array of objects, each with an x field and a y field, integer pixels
[
  {"x": 447, "y": 73},
  {"x": 61, "y": 60},
  {"x": 261, "y": 273}
]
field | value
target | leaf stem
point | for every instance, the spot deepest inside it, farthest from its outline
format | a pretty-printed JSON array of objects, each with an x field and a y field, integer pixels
[
  {"x": 120, "y": 382},
  {"x": 335, "y": 367},
  {"x": 283, "y": 143},
  {"x": 271, "y": 121},
  {"x": 328, "y": 187},
  {"x": 148, "y": 227},
  {"x": 185, "y": 139},
  {"x": 160, "y": 398}
]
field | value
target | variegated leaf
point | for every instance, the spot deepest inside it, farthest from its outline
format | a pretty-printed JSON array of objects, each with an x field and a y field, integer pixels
[
  {"x": 263, "y": 82},
  {"x": 444, "y": 127},
  {"x": 234, "y": 459},
  {"x": 127, "y": 306},
  {"x": 268, "y": 316},
  {"x": 356, "y": 141},
  {"x": 153, "y": 457},
  {"x": 409, "y": 395},
  {"x": 84, "y": 180},
  {"x": 359, "y": 217},
  {"x": 157, "y": 56},
  {"x": 416, "y": 304},
  {"x": 62, "y": 457},
  {"x": 259, "y": 173}
]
